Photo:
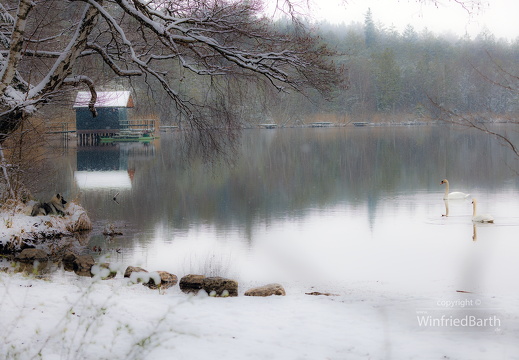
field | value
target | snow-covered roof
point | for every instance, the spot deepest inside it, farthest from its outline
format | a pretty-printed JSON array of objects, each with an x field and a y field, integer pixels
[{"x": 105, "y": 99}]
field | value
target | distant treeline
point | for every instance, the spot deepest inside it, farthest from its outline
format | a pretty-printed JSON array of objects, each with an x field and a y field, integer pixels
[{"x": 418, "y": 73}]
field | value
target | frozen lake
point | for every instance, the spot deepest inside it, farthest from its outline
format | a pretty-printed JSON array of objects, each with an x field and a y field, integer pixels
[{"x": 311, "y": 206}]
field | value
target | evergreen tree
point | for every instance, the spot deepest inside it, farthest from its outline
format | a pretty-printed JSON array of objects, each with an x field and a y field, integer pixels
[
  {"x": 370, "y": 31},
  {"x": 387, "y": 81}
]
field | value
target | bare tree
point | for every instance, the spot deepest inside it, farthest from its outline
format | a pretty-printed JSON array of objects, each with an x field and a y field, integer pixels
[
  {"x": 48, "y": 43},
  {"x": 501, "y": 78}
]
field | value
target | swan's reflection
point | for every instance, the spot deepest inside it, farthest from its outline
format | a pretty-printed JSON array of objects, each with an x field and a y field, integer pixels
[{"x": 474, "y": 232}]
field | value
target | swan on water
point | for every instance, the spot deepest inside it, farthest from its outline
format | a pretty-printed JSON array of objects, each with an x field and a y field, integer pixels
[
  {"x": 480, "y": 218},
  {"x": 453, "y": 195}
]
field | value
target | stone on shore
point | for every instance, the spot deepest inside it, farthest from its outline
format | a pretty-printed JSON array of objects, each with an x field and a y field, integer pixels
[
  {"x": 167, "y": 280},
  {"x": 69, "y": 257},
  {"x": 78, "y": 219},
  {"x": 27, "y": 255},
  {"x": 130, "y": 269},
  {"x": 68, "y": 260},
  {"x": 191, "y": 284},
  {"x": 104, "y": 270},
  {"x": 220, "y": 287},
  {"x": 266, "y": 290},
  {"x": 83, "y": 265}
]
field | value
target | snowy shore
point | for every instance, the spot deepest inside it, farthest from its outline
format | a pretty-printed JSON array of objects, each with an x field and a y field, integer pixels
[
  {"x": 17, "y": 227},
  {"x": 72, "y": 317}
]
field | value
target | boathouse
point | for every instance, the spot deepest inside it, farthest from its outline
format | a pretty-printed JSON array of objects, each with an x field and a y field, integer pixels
[{"x": 112, "y": 114}]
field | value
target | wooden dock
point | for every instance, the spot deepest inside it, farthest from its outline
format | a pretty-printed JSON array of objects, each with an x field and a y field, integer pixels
[
  {"x": 321, "y": 124},
  {"x": 166, "y": 128},
  {"x": 268, "y": 126},
  {"x": 136, "y": 127}
]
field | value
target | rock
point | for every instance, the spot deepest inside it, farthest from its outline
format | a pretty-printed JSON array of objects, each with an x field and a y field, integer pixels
[
  {"x": 134, "y": 273},
  {"x": 105, "y": 271},
  {"x": 83, "y": 265},
  {"x": 219, "y": 286},
  {"x": 84, "y": 262},
  {"x": 191, "y": 283},
  {"x": 110, "y": 230},
  {"x": 130, "y": 269},
  {"x": 78, "y": 220},
  {"x": 32, "y": 255},
  {"x": 167, "y": 280},
  {"x": 266, "y": 290},
  {"x": 68, "y": 261},
  {"x": 34, "y": 268},
  {"x": 69, "y": 257}
]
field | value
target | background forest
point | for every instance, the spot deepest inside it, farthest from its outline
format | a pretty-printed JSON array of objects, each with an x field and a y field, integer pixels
[{"x": 414, "y": 74}]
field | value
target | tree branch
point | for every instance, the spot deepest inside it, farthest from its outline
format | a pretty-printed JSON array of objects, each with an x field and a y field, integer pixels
[
  {"x": 62, "y": 67},
  {"x": 15, "y": 50},
  {"x": 75, "y": 80},
  {"x": 110, "y": 62}
]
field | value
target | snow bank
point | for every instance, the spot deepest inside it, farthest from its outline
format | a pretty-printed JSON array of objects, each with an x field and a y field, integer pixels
[
  {"x": 17, "y": 226},
  {"x": 84, "y": 318}
]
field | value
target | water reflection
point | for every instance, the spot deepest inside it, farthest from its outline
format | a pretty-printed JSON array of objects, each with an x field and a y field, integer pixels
[
  {"x": 348, "y": 204},
  {"x": 108, "y": 166}
]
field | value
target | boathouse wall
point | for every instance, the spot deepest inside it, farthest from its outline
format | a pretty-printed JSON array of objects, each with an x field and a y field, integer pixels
[{"x": 106, "y": 119}]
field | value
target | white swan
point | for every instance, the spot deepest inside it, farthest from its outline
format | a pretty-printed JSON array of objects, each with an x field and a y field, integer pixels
[
  {"x": 480, "y": 218},
  {"x": 453, "y": 195}
]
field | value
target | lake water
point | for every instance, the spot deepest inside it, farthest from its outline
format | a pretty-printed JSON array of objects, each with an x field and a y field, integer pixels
[{"x": 310, "y": 206}]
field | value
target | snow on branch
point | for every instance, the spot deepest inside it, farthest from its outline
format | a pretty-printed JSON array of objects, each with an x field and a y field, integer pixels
[
  {"x": 15, "y": 49},
  {"x": 5, "y": 17},
  {"x": 75, "y": 80}
]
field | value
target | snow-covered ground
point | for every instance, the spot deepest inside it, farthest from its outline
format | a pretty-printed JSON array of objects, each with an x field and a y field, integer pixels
[
  {"x": 70, "y": 317},
  {"x": 16, "y": 224}
]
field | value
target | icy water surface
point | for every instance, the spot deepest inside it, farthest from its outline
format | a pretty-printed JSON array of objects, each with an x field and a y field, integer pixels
[{"x": 311, "y": 205}]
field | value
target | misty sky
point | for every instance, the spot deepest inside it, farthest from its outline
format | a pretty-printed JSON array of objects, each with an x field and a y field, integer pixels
[{"x": 498, "y": 16}]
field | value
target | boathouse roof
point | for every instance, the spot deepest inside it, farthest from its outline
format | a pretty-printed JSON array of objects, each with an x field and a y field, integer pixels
[{"x": 114, "y": 99}]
